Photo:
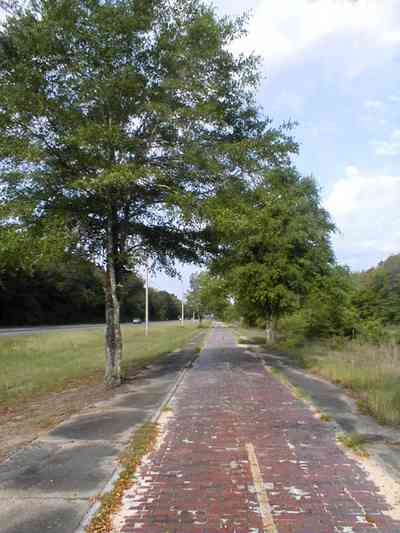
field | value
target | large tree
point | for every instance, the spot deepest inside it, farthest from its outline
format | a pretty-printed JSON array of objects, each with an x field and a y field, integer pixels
[
  {"x": 208, "y": 295},
  {"x": 119, "y": 118},
  {"x": 276, "y": 245},
  {"x": 378, "y": 291}
]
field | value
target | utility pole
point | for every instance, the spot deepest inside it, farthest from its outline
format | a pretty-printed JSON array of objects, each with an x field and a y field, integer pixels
[
  {"x": 183, "y": 307},
  {"x": 146, "y": 327}
]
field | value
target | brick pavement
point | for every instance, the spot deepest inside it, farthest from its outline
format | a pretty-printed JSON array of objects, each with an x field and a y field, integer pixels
[{"x": 241, "y": 454}]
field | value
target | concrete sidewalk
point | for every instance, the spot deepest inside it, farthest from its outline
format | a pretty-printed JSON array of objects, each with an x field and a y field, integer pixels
[
  {"x": 49, "y": 486},
  {"x": 239, "y": 453}
]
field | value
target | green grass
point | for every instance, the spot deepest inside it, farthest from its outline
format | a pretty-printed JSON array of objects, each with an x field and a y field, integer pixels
[
  {"x": 371, "y": 373},
  {"x": 355, "y": 442},
  {"x": 34, "y": 365},
  {"x": 205, "y": 324},
  {"x": 250, "y": 335},
  {"x": 300, "y": 393},
  {"x": 279, "y": 374}
]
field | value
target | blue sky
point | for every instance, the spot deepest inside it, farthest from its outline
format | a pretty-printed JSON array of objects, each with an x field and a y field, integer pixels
[{"x": 334, "y": 67}]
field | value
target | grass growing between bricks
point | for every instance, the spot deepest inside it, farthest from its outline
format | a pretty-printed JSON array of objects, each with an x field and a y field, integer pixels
[
  {"x": 141, "y": 443},
  {"x": 35, "y": 365}
]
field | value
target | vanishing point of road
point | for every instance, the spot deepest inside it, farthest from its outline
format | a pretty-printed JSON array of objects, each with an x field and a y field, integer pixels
[{"x": 239, "y": 453}]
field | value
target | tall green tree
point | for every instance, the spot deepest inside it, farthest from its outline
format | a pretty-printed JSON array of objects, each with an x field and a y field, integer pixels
[
  {"x": 120, "y": 118},
  {"x": 378, "y": 291},
  {"x": 276, "y": 245},
  {"x": 208, "y": 295}
]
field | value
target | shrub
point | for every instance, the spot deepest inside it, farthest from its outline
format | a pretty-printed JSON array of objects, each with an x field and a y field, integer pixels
[
  {"x": 295, "y": 329},
  {"x": 260, "y": 323},
  {"x": 371, "y": 331}
]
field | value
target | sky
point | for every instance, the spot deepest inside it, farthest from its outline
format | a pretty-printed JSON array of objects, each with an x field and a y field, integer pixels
[{"x": 333, "y": 66}]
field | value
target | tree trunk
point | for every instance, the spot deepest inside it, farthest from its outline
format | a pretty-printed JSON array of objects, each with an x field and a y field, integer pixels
[
  {"x": 270, "y": 332},
  {"x": 113, "y": 353}
]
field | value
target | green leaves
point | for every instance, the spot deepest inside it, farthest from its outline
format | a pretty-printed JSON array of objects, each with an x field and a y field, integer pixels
[
  {"x": 126, "y": 108},
  {"x": 276, "y": 242},
  {"x": 208, "y": 295}
]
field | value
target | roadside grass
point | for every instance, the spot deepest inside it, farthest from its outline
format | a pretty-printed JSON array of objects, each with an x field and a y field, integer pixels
[
  {"x": 244, "y": 335},
  {"x": 354, "y": 442},
  {"x": 205, "y": 324},
  {"x": 35, "y": 365},
  {"x": 279, "y": 374},
  {"x": 371, "y": 373}
]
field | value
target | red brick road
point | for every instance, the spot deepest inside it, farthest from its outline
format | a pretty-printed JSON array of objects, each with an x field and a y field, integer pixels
[{"x": 241, "y": 454}]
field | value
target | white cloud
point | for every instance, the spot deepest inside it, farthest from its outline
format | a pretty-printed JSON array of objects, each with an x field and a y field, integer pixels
[
  {"x": 388, "y": 148},
  {"x": 374, "y": 105},
  {"x": 366, "y": 211},
  {"x": 391, "y": 37},
  {"x": 281, "y": 31}
]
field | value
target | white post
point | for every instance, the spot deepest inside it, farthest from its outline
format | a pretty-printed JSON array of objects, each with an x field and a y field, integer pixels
[
  {"x": 183, "y": 307},
  {"x": 146, "y": 327}
]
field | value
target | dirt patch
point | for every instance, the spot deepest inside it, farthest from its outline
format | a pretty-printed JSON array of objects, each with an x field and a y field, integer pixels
[{"x": 24, "y": 422}]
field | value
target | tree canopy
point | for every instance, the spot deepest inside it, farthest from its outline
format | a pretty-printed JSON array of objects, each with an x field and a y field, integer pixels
[
  {"x": 208, "y": 295},
  {"x": 275, "y": 244},
  {"x": 378, "y": 291},
  {"x": 118, "y": 120}
]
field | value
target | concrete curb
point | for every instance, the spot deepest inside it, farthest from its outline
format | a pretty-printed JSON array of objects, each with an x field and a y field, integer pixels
[{"x": 94, "y": 508}]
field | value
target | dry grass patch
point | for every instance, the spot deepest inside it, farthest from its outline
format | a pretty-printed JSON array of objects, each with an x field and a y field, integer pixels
[
  {"x": 141, "y": 444},
  {"x": 371, "y": 373},
  {"x": 36, "y": 365}
]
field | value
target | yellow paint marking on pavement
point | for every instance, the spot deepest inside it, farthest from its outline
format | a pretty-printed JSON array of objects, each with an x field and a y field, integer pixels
[{"x": 262, "y": 496}]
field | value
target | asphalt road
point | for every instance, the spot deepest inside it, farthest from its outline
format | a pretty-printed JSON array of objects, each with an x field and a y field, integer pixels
[{"x": 29, "y": 330}]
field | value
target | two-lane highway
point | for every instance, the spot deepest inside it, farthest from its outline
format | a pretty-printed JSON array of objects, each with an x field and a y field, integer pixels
[{"x": 29, "y": 330}]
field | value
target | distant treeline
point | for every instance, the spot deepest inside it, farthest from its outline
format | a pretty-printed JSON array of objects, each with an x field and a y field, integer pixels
[
  {"x": 72, "y": 292},
  {"x": 378, "y": 291},
  {"x": 362, "y": 305}
]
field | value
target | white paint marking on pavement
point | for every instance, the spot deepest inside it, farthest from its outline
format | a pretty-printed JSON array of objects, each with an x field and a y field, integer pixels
[{"x": 262, "y": 496}]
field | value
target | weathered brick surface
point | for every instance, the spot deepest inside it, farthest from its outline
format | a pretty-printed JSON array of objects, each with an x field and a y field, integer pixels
[{"x": 199, "y": 479}]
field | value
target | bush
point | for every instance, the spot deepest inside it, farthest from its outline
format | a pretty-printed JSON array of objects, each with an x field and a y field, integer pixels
[
  {"x": 260, "y": 323},
  {"x": 395, "y": 336},
  {"x": 295, "y": 329},
  {"x": 372, "y": 331}
]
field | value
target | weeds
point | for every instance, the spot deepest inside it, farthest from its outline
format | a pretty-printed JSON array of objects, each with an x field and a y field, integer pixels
[
  {"x": 300, "y": 393},
  {"x": 354, "y": 442},
  {"x": 141, "y": 444},
  {"x": 278, "y": 373},
  {"x": 371, "y": 373},
  {"x": 325, "y": 418},
  {"x": 205, "y": 324}
]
